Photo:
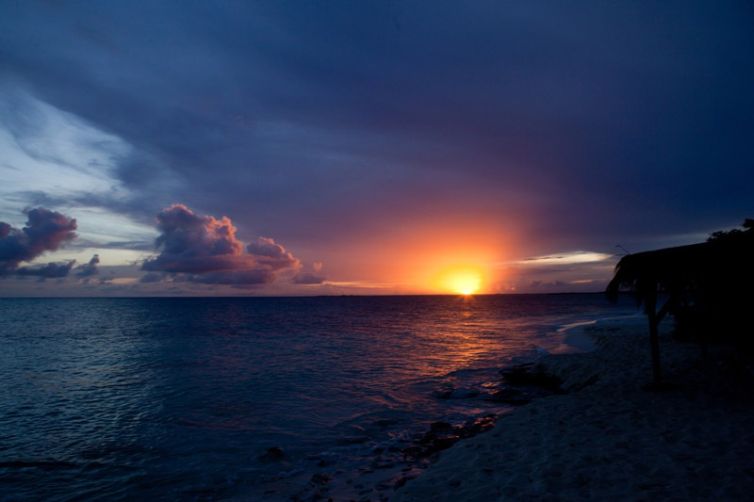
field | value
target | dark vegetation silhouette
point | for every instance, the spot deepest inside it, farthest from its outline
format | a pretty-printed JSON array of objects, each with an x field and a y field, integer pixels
[{"x": 708, "y": 288}]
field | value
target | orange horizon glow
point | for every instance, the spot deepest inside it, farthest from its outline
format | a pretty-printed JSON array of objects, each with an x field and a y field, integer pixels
[
  {"x": 426, "y": 257},
  {"x": 462, "y": 280}
]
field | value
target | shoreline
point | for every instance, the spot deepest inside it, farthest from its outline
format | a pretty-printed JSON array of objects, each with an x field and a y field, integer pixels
[
  {"x": 606, "y": 437},
  {"x": 389, "y": 467}
]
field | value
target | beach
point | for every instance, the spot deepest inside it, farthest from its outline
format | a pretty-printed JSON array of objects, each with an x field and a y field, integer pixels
[{"x": 608, "y": 436}]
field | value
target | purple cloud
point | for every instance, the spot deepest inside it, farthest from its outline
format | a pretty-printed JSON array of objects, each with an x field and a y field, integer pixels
[
  {"x": 195, "y": 244},
  {"x": 271, "y": 254},
  {"x": 207, "y": 250},
  {"x": 88, "y": 269},
  {"x": 310, "y": 277},
  {"x": 45, "y": 230}
]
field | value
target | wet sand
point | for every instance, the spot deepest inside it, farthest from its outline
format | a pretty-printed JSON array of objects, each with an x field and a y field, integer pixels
[{"x": 610, "y": 438}]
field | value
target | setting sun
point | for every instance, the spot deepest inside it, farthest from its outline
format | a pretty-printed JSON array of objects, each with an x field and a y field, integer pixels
[{"x": 464, "y": 281}]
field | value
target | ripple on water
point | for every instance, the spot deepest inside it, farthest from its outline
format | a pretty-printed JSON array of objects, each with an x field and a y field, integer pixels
[{"x": 158, "y": 398}]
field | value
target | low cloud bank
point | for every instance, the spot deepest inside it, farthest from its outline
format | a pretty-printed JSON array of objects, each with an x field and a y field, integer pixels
[
  {"x": 308, "y": 278},
  {"x": 53, "y": 270}
]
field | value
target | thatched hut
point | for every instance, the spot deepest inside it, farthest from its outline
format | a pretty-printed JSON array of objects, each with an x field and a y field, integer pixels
[{"x": 707, "y": 287}]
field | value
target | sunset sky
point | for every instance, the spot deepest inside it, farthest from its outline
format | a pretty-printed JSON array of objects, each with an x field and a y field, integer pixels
[{"x": 273, "y": 148}]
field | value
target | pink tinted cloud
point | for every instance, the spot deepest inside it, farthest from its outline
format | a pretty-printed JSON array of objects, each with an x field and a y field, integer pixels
[
  {"x": 207, "y": 250},
  {"x": 45, "y": 230}
]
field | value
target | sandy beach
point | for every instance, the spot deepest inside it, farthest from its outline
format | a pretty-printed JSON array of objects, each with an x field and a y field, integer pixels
[{"x": 609, "y": 438}]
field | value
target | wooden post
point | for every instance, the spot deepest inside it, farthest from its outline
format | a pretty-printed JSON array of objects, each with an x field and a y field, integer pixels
[{"x": 654, "y": 339}]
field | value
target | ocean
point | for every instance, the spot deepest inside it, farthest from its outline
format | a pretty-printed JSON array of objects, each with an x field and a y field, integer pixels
[{"x": 183, "y": 398}]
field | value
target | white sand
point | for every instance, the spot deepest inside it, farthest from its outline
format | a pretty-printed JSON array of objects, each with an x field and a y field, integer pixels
[{"x": 611, "y": 439}]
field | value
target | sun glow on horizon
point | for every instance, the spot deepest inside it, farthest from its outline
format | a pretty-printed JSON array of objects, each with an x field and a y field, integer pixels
[
  {"x": 464, "y": 281},
  {"x": 429, "y": 258}
]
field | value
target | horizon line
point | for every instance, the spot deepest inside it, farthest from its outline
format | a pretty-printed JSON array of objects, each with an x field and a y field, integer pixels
[{"x": 305, "y": 296}]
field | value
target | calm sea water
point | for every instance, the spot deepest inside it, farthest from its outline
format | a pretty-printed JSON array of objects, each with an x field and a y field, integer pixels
[{"x": 178, "y": 398}]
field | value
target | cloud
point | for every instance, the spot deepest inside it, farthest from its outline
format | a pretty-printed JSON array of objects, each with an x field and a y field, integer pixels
[
  {"x": 52, "y": 270},
  {"x": 272, "y": 254},
  {"x": 88, "y": 269},
  {"x": 570, "y": 258},
  {"x": 45, "y": 230},
  {"x": 237, "y": 277},
  {"x": 195, "y": 244},
  {"x": 151, "y": 277},
  {"x": 207, "y": 250},
  {"x": 313, "y": 277},
  {"x": 308, "y": 278}
]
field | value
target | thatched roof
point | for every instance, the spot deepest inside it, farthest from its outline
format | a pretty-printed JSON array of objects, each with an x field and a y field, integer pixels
[
  {"x": 709, "y": 287},
  {"x": 725, "y": 262}
]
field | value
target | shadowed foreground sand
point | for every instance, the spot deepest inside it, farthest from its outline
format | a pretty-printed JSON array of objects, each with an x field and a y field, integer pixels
[{"x": 611, "y": 439}]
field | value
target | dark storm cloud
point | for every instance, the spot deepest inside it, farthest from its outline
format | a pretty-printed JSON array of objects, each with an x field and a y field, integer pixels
[
  {"x": 583, "y": 122},
  {"x": 45, "y": 230},
  {"x": 50, "y": 271},
  {"x": 208, "y": 251},
  {"x": 88, "y": 269}
]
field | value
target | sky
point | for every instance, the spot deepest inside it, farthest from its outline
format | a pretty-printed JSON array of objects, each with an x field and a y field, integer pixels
[{"x": 308, "y": 147}]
